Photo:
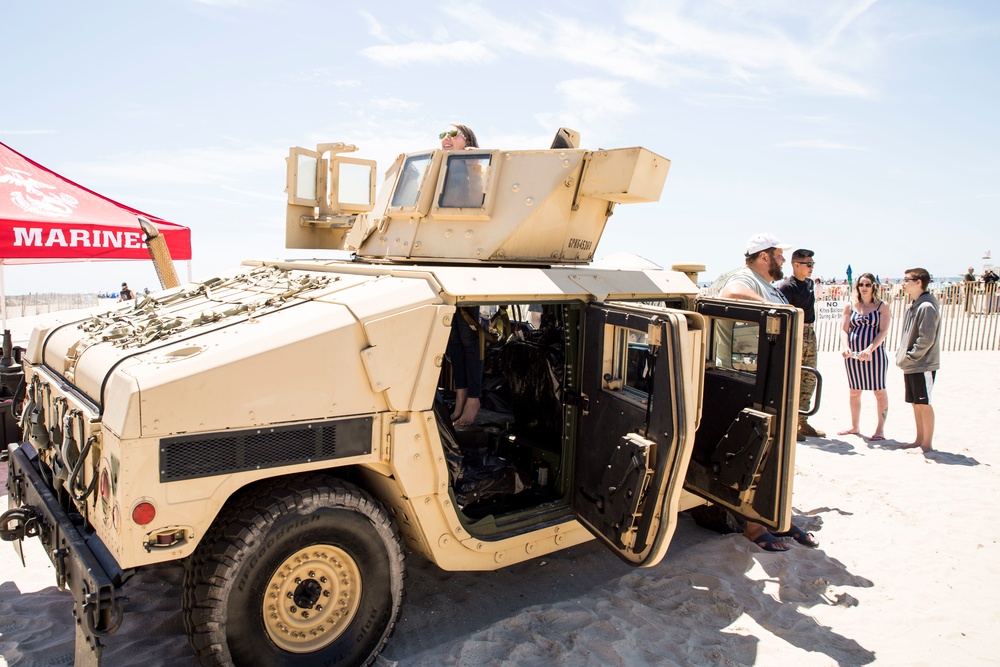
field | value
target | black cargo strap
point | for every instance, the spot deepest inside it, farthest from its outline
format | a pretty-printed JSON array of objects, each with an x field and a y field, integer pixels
[{"x": 480, "y": 330}]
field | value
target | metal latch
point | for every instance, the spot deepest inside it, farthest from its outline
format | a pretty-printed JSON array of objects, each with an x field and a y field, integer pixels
[
  {"x": 26, "y": 524},
  {"x": 577, "y": 399}
]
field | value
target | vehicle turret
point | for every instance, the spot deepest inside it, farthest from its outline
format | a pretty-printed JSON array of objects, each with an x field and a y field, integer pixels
[{"x": 471, "y": 206}]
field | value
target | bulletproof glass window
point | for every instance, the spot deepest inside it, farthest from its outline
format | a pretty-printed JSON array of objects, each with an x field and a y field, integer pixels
[
  {"x": 305, "y": 182},
  {"x": 465, "y": 181},
  {"x": 631, "y": 364},
  {"x": 355, "y": 185},
  {"x": 735, "y": 345},
  {"x": 408, "y": 188}
]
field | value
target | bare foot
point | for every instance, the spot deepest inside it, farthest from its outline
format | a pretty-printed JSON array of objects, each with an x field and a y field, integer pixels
[
  {"x": 469, "y": 413},
  {"x": 461, "y": 395},
  {"x": 852, "y": 431},
  {"x": 911, "y": 445}
]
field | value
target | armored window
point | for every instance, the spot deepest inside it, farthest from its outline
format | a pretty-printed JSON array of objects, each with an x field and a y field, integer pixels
[
  {"x": 465, "y": 181},
  {"x": 735, "y": 345},
  {"x": 408, "y": 187},
  {"x": 629, "y": 370},
  {"x": 355, "y": 184}
]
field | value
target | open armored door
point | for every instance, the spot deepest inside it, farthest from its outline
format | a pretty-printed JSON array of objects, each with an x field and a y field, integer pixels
[
  {"x": 744, "y": 453},
  {"x": 635, "y": 419}
]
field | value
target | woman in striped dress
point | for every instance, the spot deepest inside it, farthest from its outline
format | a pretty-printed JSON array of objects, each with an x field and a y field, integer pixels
[{"x": 864, "y": 328}]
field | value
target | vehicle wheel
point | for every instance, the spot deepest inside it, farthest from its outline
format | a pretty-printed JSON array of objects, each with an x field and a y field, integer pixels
[{"x": 299, "y": 572}]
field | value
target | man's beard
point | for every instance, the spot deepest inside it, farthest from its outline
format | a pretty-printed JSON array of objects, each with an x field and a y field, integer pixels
[{"x": 774, "y": 269}]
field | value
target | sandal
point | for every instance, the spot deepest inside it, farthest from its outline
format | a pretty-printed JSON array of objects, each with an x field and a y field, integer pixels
[
  {"x": 800, "y": 536},
  {"x": 876, "y": 438},
  {"x": 769, "y": 542}
]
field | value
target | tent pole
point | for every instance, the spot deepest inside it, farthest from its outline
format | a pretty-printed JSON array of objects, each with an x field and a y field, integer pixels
[{"x": 3, "y": 299}]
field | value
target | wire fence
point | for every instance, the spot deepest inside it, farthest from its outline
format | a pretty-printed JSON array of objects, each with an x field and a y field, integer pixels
[{"x": 26, "y": 305}]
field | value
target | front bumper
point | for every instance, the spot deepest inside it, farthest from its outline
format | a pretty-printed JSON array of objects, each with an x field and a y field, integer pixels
[{"x": 83, "y": 565}]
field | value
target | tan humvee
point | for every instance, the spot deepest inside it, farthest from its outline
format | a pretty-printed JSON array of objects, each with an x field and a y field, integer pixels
[{"x": 284, "y": 428}]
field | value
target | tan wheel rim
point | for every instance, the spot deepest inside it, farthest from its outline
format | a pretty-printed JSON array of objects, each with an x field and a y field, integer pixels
[{"x": 311, "y": 598}]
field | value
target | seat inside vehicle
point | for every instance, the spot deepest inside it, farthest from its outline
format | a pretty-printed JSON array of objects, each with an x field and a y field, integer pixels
[{"x": 510, "y": 458}]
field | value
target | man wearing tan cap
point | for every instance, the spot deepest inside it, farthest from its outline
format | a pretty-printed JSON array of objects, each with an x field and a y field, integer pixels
[{"x": 764, "y": 256}]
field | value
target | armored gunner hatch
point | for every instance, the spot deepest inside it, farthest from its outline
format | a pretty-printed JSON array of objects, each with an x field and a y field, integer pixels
[{"x": 478, "y": 205}]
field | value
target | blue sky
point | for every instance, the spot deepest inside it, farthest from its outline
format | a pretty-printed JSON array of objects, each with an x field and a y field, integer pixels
[{"x": 865, "y": 130}]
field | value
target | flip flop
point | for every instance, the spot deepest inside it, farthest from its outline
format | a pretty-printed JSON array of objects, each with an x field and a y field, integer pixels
[
  {"x": 800, "y": 536},
  {"x": 876, "y": 438},
  {"x": 769, "y": 542}
]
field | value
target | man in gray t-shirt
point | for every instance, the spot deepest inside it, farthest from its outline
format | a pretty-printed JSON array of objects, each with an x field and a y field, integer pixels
[
  {"x": 764, "y": 259},
  {"x": 765, "y": 255}
]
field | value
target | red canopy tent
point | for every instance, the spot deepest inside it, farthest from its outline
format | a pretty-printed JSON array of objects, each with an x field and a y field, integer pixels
[{"x": 45, "y": 217}]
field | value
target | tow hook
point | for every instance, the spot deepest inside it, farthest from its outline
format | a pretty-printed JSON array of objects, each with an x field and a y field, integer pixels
[{"x": 26, "y": 524}]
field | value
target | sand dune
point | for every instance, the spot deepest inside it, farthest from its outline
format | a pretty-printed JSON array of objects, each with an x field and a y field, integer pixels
[{"x": 905, "y": 574}]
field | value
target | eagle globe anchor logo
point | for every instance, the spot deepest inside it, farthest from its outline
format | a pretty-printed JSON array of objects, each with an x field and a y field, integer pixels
[{"x": 30, "y": 195}]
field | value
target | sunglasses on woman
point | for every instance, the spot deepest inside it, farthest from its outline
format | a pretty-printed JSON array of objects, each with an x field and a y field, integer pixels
[{"x": 450, "y": 133}]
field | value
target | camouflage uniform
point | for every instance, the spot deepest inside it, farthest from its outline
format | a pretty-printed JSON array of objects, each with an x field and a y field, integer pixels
[
  {"x": 807, "y": 386},
  {"x": 800, "y": 293}
]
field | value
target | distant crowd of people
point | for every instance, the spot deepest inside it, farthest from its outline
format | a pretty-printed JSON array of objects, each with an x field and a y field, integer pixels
[{"x": 979, "y": 293}]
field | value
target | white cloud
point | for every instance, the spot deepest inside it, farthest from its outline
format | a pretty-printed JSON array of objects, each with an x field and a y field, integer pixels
[
  {"x": 22, "y": 132},
  {"x": 763, "y": 48},
  {"x": 227, "y": 3},
  {"x": 320, "y": 76},
  {"x": 462, "y": 51},
  {"x": 210, "y": 166},
  {"x": 394, "y": 104},
  {"x": 820, "y": 144},
  {"x": 591, "y": 105},
  {"x": 375, "y": 28},
  {"x": 627, "y": 54},
  {"x": 774, "y": 46}
]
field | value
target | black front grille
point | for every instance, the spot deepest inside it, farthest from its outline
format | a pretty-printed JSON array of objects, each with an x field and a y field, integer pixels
[{"x": 225, "y": 452}]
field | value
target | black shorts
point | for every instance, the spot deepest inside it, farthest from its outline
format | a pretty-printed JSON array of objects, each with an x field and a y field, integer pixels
[{"x": 919, "y": 387}]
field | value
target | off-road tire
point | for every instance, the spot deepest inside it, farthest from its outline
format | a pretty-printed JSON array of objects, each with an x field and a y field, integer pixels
[{"x": 297, "y": 572}]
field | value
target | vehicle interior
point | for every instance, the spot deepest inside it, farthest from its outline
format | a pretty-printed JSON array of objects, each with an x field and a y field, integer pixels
[
  {"x": 516, "y": 460},
  {"x": 512, "y": 457}
]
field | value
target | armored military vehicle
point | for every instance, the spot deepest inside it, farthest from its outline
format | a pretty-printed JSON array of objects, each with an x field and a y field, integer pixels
[{"x": 284, "y": 428}]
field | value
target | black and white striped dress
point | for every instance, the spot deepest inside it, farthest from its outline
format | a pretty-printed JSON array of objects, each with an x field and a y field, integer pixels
[{"x": 866, "y": 375}]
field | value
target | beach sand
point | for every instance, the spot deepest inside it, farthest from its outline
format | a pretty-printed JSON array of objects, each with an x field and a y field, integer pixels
[{"x": 905, "y": 574}]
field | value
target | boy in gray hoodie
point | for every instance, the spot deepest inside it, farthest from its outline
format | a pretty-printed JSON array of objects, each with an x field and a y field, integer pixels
[{"x": 919, "y": 353}]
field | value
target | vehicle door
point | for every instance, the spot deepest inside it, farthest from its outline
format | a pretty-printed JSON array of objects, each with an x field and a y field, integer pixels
[
  {"x": 744, "y": 452},
  {"x": 637, "y": 414}
]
